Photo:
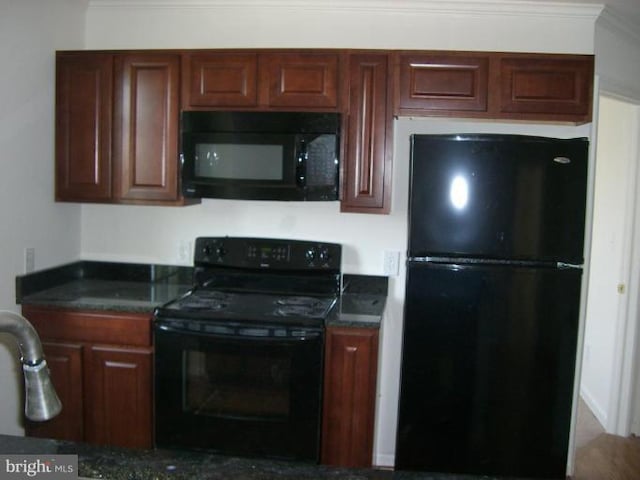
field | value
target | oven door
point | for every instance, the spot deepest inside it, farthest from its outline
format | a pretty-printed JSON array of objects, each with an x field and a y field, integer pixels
[{"x": 238, "y": 390}]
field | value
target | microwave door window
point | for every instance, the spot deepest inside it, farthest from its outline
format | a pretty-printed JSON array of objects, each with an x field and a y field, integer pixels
[{"x": 260, "y": 162}]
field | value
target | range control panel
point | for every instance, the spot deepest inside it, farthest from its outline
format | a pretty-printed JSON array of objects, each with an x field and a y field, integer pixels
[{"x": 267, "y": 253}]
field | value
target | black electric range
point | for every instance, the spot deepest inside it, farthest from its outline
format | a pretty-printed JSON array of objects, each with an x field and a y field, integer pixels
[{"x": 238, "y": 358}]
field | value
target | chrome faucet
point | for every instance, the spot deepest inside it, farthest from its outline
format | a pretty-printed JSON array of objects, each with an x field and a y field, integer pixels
[{"x": 41, "y": 401}]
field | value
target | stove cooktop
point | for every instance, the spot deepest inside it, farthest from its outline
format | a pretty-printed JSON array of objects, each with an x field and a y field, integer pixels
[{"x": 207, "y": 304}]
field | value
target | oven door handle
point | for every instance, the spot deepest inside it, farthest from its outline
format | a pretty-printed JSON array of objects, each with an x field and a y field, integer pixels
[{"x": 261, "y": 334}]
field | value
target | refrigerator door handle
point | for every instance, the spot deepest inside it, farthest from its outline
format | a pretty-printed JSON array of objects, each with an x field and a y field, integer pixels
[
  {"x": 490, "y": 262},
  {"x": 574, "y": 266}
]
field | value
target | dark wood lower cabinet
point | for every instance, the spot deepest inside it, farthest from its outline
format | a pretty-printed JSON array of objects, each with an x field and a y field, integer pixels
[
  {"x": 119, "y": 391},
  {"x": 351, "y": 366},
  {"x": 101, "y": 365},
  {"x": 65, "y": 366}
]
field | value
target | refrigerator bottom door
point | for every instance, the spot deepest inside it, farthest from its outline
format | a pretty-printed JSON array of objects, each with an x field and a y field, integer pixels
[{"x": 488, "y": 369}]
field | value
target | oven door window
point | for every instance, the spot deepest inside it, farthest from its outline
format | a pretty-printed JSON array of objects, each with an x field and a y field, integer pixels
[{"x": 227, "y": 384}]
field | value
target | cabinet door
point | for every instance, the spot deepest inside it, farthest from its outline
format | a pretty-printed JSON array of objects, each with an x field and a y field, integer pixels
[
  {"x": 146, "y": 125},
  {"x": 119, "y": 392},
  {"x": 308, "y": 80},
  {"x": 65, "y": 367},
  {"x": 442, "y": 83},
  {"x": 83, "y": 126},
  {"x": 366, "y": 168},
  {"x": 220, "y": 80},
  {"x": 351, "y": 365},
  {"x": 555, "y": 86}
]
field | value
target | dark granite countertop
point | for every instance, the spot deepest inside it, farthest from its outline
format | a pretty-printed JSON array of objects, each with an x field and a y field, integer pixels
[
  {"x": 127, "y": 287},
  {"x": 88, "y": 285},
  {"x": 109, "y": 463},
  {"x": 362, "y": 301}
]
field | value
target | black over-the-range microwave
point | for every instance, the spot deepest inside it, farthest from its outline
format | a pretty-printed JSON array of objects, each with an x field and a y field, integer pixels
[{"x": 260, "y": 155}]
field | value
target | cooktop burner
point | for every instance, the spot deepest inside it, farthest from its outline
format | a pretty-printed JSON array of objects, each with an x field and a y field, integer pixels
[{"x": 206, "y": 300}]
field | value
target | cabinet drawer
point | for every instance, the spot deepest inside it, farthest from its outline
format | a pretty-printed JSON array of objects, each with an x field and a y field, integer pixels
[{"x": 95, "y": 327}]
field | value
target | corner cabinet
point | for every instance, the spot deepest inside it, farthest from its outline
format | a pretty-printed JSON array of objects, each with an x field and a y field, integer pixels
[
  {"x": 117, "y": 124},
  {"x": 351, "y": 366},
  {"x": 368, "y": 136},
  {"x": 101, "y": 366}
]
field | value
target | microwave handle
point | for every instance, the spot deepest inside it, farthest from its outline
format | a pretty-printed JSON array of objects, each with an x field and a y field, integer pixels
[{"x": 301, "y": 164}]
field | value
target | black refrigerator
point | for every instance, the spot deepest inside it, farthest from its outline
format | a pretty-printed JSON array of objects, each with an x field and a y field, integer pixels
[{"x": 496, "y": 234}]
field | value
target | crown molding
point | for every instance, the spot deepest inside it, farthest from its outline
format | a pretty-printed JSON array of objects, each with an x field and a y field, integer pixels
[
  {"x": 445, "y": 7},
  {"x": 614, "y": 21}
]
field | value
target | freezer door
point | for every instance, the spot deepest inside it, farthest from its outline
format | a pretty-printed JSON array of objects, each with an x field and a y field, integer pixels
[
  {"x": 498, "y": 196},
  {"x": 487, "y": 370}
]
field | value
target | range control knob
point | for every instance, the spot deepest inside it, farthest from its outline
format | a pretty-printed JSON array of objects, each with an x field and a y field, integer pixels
[
  {"x": 207, "y": 249},
  {"x": 311, "y": 254},
  {"x": 324, "y": 255},
  {"x": 220, "y": 251}
]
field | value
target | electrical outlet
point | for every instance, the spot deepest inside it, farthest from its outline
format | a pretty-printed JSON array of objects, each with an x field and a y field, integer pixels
[
  {"x": 391, "y": 263},
  {"x": 184, "y": 251},
  {"x": 29, "y": 259}
]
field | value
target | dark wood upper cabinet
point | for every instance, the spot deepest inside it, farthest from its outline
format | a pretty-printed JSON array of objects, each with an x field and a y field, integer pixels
[
  {"x": 300, "y": 80},
  {"x": 146, "y": 126},
  {"x": 83, "y": 126},
  {"x": 555, "y": 86},
  {"x": 366, "y": 166},
  {"x": 117, "y": 124},
  {"x": 493, "y": 85},
  {"x": 264, "y": 80},
  {"x": 117, "y": 113},
  {"x": 220, "y": 79},
  {"x": 442, "y": 83}
]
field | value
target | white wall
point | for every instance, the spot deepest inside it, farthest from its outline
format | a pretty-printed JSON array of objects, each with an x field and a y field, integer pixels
[
  {"x": 154, "y": 233},
  {"x": 30, "y": 31}
]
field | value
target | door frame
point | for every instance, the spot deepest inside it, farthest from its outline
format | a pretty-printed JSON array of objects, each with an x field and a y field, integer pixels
[{"x": 624, "y": 397}]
